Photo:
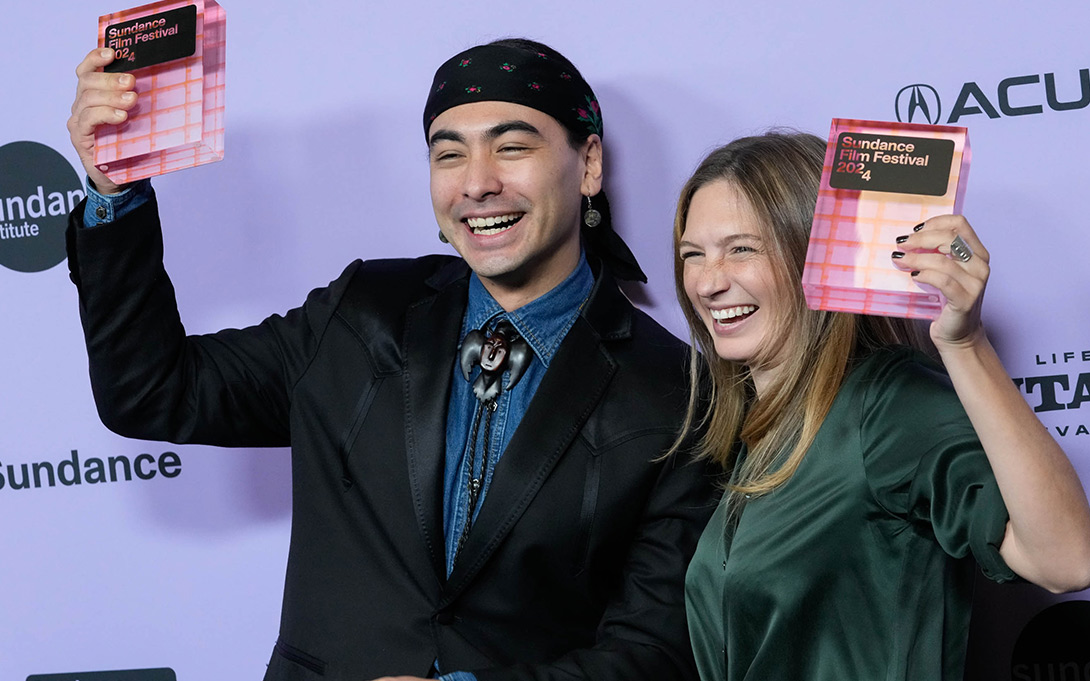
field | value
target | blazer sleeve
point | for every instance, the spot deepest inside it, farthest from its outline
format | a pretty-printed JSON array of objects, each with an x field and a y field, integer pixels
[{"x": 152, "y": 381}]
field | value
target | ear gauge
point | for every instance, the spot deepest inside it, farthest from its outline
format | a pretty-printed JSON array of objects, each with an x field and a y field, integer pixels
[{"x": 443, "y": 237}]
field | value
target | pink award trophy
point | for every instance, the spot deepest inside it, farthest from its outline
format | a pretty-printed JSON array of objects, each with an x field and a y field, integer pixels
[
  {"x": 175, "y": 49},
  {"x": 880, "y": 180}
]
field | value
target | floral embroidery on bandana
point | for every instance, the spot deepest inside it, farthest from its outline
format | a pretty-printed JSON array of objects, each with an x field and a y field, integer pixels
[
  {"x": 593, "y": 117},
  {"x": 540, "y": 82}
]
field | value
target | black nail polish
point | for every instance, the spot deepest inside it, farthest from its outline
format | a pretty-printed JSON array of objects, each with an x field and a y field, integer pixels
[
  {"x": 902, "y": 239},
  {"x": 914, "y": 272},
  {"x": 917, "y": 227},
  {"x": 898, "y": 254}
]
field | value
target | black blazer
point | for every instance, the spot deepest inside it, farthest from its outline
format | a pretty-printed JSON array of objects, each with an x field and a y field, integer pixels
[{"x": 575, "y": 565}]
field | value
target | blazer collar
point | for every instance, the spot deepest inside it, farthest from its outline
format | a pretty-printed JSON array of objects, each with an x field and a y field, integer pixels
[
  {"x": 608, "y": 311},
  {"x": 427, "y": 373}
]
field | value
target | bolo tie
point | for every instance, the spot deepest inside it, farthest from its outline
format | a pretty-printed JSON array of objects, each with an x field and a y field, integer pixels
[{"x": 496, "y": 351}]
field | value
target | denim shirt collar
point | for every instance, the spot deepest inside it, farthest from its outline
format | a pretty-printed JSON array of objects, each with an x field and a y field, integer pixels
[{"x": 544, "y": 321}]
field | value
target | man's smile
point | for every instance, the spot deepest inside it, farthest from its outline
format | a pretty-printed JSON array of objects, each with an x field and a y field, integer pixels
[{"x": 486, "y": 226}]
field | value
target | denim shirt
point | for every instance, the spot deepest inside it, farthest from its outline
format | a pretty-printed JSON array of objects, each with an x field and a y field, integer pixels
[{"x": 543, "y": 322}]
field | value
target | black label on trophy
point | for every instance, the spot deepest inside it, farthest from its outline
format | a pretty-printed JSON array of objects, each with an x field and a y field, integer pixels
[
  {"x": 889, "y": 163},
  {"x": 154, "y": 39}
]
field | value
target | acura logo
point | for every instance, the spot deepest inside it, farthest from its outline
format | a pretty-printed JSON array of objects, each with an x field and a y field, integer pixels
[
  {"x": 1015, "y": 96},
  {"x": 918, "y": 103}
]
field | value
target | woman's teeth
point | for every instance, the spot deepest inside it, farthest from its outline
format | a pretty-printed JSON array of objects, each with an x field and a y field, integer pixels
[{"x": 726, "y": 315}]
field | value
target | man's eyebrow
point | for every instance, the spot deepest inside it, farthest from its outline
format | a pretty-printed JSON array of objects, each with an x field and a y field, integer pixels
[
  {"x": 511, "y": 126},
  {"x": 496, "y": 131},
  {"x": 446, "y": 135}
]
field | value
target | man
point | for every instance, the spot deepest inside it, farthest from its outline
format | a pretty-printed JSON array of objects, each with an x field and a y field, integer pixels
[{"x": 476, "y": 441}]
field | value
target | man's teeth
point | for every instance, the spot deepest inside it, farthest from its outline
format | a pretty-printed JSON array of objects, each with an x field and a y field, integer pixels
[
  {"x": 732, "y": 312},
  {"x": 492, "y": 224}
]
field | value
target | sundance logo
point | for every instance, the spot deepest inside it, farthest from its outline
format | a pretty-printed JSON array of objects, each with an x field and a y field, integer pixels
[
  {"x": 38, "y": 188},
  {"x": 93, "y": 471},
  {"x": 1015, "y": 96},
  {"x": 162, "y": 674},
  {"x": 1053, "y": 646}
]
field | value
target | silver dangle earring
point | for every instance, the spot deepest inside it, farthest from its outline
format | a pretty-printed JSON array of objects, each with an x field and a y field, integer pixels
[
  {"x": 443, "y": 237},
  {"x": 591, "y": 218}
]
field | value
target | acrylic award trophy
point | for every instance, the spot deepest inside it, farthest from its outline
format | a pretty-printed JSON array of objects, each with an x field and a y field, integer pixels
[
  {"x": 175, "y": 49},
  {"x": 880, "y": 180}
]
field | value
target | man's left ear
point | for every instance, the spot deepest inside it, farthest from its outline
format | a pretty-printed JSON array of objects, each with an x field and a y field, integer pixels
[{"x": 592, "y": 160}]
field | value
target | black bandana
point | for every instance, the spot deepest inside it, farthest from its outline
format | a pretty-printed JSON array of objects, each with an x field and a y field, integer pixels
[{"x": 498, "y": 73}]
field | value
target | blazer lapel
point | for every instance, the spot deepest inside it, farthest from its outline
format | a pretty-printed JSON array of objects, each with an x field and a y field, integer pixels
[
  {"x": 431, "y": 338},
  {"x": 568, "y": 394}
]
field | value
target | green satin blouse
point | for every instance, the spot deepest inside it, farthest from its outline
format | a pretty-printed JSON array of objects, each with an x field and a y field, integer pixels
[{"x": 860, "y": 567}]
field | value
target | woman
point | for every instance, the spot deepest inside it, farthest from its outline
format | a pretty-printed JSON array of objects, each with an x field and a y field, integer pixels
[{"x": 865, "y": 477}]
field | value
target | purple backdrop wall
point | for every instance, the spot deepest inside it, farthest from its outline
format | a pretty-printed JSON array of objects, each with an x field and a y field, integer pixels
[{"x": 325, "y": 162}]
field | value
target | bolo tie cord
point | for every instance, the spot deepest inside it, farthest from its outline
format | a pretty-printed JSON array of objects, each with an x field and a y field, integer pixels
[{"x": 476, "y": 483}]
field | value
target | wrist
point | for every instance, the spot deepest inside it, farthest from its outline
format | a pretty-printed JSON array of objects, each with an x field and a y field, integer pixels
[
  {"x": 107, "y": 188},
  {"x": 969, "y": 343},
  {"x": 971, "y": 354}
]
